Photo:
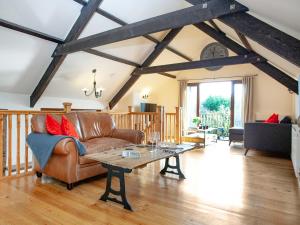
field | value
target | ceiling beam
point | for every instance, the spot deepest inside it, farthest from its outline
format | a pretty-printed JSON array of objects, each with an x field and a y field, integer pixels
[
  {"x": 29, "y": 31},
  {"x": 244, "y": 40},
  {"x": 123, "y": 23},
  {"x": 226, "y": 61},
  {"x": 180, "y": 18},
  {"x": 150, "y": 59},
  {"x": 269, "y": 37},
  {"x": 264, "y": 34},
  {"x": 111, "y": 57},
  {"x": 167, "y": 75},
  {"x": 266, "y": 67},
  {"x": 47, "y": 37},
  {"x": 214, "y": 25},
  {"x": 84, "y": 17}
]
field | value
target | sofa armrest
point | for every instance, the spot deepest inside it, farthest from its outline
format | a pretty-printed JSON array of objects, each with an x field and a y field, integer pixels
[
  {"x": 133, "y": 136},
  {"x": 63, "y": 147}
]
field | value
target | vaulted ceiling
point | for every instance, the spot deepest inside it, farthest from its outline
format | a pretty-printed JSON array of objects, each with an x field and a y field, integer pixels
[{"x": 24, "y": 58}]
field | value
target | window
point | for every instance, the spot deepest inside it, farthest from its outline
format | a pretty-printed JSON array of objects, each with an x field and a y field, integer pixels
[
  {"x": 192, "y": 102},
  {"x": 238, "y": 98}
]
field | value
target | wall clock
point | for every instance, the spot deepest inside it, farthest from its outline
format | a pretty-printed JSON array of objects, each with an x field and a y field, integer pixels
[{"x": 212, "y": 51}]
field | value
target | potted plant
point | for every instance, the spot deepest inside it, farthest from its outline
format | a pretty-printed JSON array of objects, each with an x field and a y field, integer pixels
[{"x": 196, "y": 121}]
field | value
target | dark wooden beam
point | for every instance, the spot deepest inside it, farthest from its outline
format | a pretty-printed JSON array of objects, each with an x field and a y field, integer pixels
[
  {"x": 214, "y": 25},
  {"x": 47, "y": 37},
  {"x": 123, "y": 23},
  {"x": 266, "y": 67},
  {"x": 168, "y": 75},
  {"x": 191, "y": 15},
  {"x": 29, "y": 31},
  {"x": 227, "y": 61},
  {"x": 85, "y": 16},
  {"x": 269, "y": 37},
  {"x": 156, "y": 52},
  {"x": 111, "y": 57},
  {"x": 196, "y": 2},
  {"x": 244, "y": 41}
]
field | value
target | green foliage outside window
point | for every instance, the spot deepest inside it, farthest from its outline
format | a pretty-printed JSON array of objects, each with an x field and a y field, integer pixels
[
  {"x": 215, "y": 112},
  {"x": 215, "y": 103}
]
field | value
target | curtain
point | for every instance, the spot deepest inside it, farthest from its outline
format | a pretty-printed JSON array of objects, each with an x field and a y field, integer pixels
[
  {"x": 248, "y": 98},
  {"x": 183, "y": 102}
]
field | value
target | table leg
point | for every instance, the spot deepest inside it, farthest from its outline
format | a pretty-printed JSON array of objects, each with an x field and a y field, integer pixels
[
  {"x": 176, "y": 167},
  {"x": 114, "y": 171}
]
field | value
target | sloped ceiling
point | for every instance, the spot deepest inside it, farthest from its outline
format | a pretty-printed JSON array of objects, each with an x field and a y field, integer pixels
[{"x": 24, "y": 58}]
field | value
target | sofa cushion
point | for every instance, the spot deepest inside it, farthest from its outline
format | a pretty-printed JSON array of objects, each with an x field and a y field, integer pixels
[
  {"x": 38, "y": 123},
  {"x": 274, "y": 118},
  {"x": 68, "y": 128},
  {"x": 94, "y": 125},
  {"x": 53, "y": 126},
  {"x": 100, "y": 145}
]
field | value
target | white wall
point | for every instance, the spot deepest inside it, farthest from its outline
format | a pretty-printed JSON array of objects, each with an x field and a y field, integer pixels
[
  {"x": 163, "y": 91},
  {"x": 297, "y": 101},
  {"x": 21, "y": 102}
]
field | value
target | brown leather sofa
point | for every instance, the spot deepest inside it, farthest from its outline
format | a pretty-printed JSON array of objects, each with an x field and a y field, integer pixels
[{"x": 97, "y": 133}]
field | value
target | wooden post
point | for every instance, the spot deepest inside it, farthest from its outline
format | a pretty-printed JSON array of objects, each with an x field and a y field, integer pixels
[
  {"x": 67, "y": 107},
  {"x": 177, "y": 125},
  {"x": 159, "y": 126},
  {"x": 180, "y": 125},
  {"x": 129, "y": 120},
  {"x": 18, "y": 156},
  {"x": 3, "y": 143},
  {"x": 2, "y": 166},
  {"x": 26, "y": 145},
  {"x": 9, "y": 144}
]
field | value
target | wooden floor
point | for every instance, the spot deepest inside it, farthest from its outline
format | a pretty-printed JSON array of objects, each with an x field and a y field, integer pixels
[{"x": 222, "y": 187}]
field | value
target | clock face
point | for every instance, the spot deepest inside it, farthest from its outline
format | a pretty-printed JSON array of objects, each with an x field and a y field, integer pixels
[{"x": 213, "y": 51}]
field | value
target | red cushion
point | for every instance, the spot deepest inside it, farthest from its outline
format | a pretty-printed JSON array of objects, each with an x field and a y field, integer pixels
[
  {"x": 52, "y": 126},
  {"x": 68, "y": 128},
  {"x": 274, "y": 118}
]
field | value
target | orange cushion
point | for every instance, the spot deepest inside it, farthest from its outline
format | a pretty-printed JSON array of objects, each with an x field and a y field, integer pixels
[
  {"x": 274, "y": 118},
  {"x": 52, "y": 126},
  {"x": 68, "y": 128}
]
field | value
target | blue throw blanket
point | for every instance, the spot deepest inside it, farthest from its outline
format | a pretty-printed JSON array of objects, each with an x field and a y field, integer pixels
[{"x": 42, "y": 146}]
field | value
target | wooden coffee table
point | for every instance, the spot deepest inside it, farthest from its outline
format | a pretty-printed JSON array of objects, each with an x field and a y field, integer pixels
[{"x": 117, "y": 166}]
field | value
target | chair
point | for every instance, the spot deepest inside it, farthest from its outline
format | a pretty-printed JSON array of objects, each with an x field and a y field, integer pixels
[{"x": 236, "y": 134}]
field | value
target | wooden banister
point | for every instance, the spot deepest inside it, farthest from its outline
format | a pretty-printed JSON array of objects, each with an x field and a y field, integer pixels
[
  {"x": 17, "y": 126},
  {"x": 1, "y": 147}
]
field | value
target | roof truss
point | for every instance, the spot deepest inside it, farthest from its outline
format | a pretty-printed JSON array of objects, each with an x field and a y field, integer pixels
[
  {"x": 123, "y": 23},
  {"x": 266, "y": 67},
  {"x": 50, "y": 38},
  {"x": 269, "y": 37},
  {"x": 29, "y": 31},
  {"x": 228, "y": 11},
  {"x": 159, "y": 48},
  {"x": 234, "y": 60},
  {"x": 180, "y": 18},
  {"x": 84, "y": 17}
]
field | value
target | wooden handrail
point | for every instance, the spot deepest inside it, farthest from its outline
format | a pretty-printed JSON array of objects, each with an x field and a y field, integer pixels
[
  {"x": 18, "y": 126},
  {"x": 29, "y": 112}
]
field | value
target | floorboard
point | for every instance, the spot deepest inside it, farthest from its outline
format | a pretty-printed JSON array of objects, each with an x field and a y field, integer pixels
[{"x": 222, "y": 187}]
